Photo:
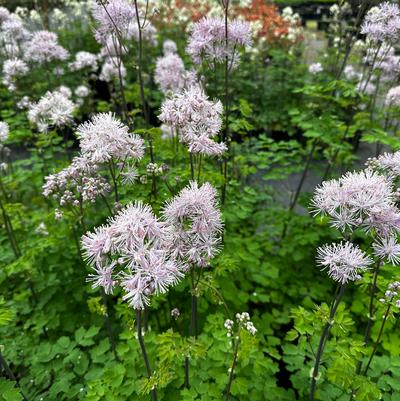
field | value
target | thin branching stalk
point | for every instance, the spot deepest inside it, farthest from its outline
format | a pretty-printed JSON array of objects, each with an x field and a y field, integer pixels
[
  {"x": 144, "y": 352},
  {"x": 114, "y": 179},
  {"x": 199, "y": 168},
  {"x": 378, "y": 339},
  {"x": 108, "y": 325},
  {"x": 191, "y": 166},
  {"x": 371, "y": 311},
  {"x": 336, "y": 154},
  {"x": 141, "y": 87},
  {"x": 226, "y": 135},
  {"x": 232, "y": 370},
  {"x": 10, "y": 231},
  {"x": 293, "y": 202},
  {"x": 351, "y": 38},
  {"x": 323, "y": 341},
  {"x": 193, "y": 326}
]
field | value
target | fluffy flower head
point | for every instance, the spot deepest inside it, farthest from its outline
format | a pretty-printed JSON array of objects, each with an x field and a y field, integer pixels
[
  {"x": 43, "y": 47},
  {"x": 105, "y": 137},
  {"x": 207, "y": 40},
  {"x": 344, "y": 261},
  {"x": 53, "y": 109},
  {"x": 196, "y": 221}
]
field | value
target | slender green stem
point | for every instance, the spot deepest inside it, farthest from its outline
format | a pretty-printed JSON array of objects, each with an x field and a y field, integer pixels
[
  {"x": 323, "y": 341},
  {"x": 378, "y": 339},
  {"x": 293, "y": 203},
  {"x": 193, "y": 327},
  {"x": 226, "y": 135},
  {"x": 191, "y": 166},
  {"x": 233, "y": 366},
  {"x": 371, "y": 309},
  {"x": 350, "y": 40},
  {"x": 113, "y": 176},
  {"x": 144, "y": 352},
  {"x": 335, "y": 155},
  {"x": 107, "y": 323}
]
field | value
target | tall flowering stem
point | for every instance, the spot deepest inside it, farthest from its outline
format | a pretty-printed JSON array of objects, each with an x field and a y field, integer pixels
[
  {"x": 378, "y": 339},
  {"x": 10, "y": 231},
  {"x": 193, "y": 327},
  {"x": 323, "y": 339},
  {"x": 389, "y": 300},
  {"x": 344, "y": 262},
  {"x": 351, "y": 38},
  {"x": 144, "y": 352},
  {"x": 293, "y": 202},
  {"x": 141, "y": 86},
  {"x": 232, "y": 369},
  {"x": 107, "y": 323},
  {"x": 196, "y": 225},
  {"x": 242, "y": 323},
  {"x": 371, "y": 309},
  {"x": 225, "y": 137}
]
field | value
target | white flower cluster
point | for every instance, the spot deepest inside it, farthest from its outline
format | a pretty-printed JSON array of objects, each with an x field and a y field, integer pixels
[
  {"x": 243, "y": 321},
  {"x": 4, "y": 131},
  {"x": 111, "y": 69},
  {"x": 315, "y": 68},
  {"x": 13, "y": 69},
  {"x": 154, "y": 168},
  {"x": 43, "y": 47},
  {"x": 391, "y": 293},
  {"x": 175, "y": 313},
  {"x": 197, "y": 118},
  {"x": 13, "y": 34},
  {"x": 54, "y": 109},
  {"x": 295, "y": 30},
  {"x": 344, "y": 261},
  {"x": 84, "y": 60}
]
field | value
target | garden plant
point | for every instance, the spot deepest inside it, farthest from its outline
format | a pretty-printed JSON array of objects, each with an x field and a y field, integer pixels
[{"x": 199, "y": 200}]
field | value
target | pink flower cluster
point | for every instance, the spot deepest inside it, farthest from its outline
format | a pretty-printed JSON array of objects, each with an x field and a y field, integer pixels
[
  {"x": 43, "y": 47},
  {"x": 208, "y": 42},
  {"x": 382, "y": 23},
  {"x": 170, "y": 73},
  {"x": 393, "y": 97},
  {"x": 112, "y": 68},
  {"x": 197, "y": 118},
  {"x": 113, "y": 17},
  {"x": 344, "y": 261},
  {"x": 133, "y": 251},
  {"x": 105, "y": 137},
  {"x": 196, "y": 224},
  {"x": 145, "y": 255},
  {"x": 361, "y": 199},
  {"x": 366, "y": 200}
]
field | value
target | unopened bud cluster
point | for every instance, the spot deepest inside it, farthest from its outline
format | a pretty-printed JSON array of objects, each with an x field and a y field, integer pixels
[
  {"x": 391, "y": 294},
  {"x": 243, "y": 321},
  {"x": 154, "y": 168},
  {"x": 175, "y": 313}
]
